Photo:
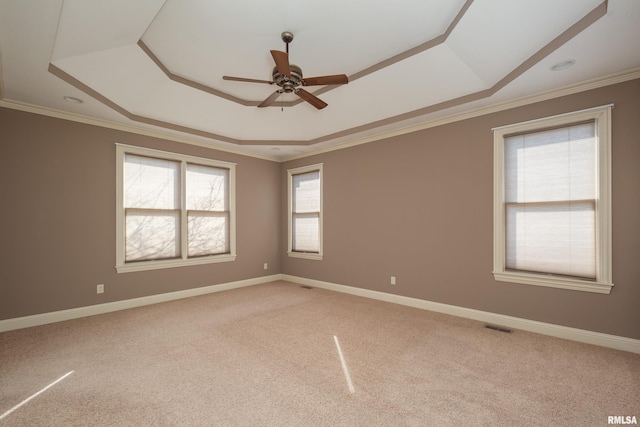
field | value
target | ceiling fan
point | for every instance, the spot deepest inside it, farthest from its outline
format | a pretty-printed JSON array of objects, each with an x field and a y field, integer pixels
[{"x": 289, "y": 78}]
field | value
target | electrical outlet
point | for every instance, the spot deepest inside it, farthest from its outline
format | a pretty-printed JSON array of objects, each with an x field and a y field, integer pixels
[
  {"x": 100, "y": 289},
  {"x": 393, "y": 280},
  {"x": 266, "y": 266}
]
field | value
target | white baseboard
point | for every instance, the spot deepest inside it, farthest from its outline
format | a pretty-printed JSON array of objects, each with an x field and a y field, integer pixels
[
  {"x": 75, "y": 313},
  {"x": 581, "y": 335}
]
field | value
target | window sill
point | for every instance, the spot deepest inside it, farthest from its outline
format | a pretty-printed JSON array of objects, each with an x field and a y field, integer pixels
[
  {"x": 305, "y": 255},
  {"x": 554, "y": 282},
  {"x": 172, "y": 263}
]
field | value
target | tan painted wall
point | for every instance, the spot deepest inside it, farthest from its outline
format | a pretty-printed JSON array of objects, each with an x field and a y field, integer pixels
[
  {"x": 417, "y": 206},
  {"x": 57, "y": 181},
  {"x": 420, "y": 207}
]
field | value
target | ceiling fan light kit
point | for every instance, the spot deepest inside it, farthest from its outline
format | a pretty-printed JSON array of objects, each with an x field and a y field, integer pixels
[{"x": 289, "y": 78}]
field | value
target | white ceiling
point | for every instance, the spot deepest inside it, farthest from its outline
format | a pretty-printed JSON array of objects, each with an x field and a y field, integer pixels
[{"x": 156, "y": 66}]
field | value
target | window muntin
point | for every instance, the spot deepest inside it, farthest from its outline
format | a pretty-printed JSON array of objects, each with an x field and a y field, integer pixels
[
  {"x": 173, "y": 210},
  {"x": 552, "y": 202},
  {"x": 305, "y": 212}
]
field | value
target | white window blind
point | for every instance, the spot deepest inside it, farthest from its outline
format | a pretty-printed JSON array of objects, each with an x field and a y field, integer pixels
[
  {"x": 173, "y": 210},
  {"x": 550, "y": 201},
  {"x": 152, "y": 208},
  {"x": 305, "y": 212},
  {"x": 208, "y": 210}
]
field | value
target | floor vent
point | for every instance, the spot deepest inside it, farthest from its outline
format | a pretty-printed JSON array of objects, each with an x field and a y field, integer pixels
[
  {"x": 306, "y": 287},
  {"x": 498, "y": 328}
]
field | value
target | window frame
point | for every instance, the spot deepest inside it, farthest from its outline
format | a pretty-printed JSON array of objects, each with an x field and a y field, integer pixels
[
  {"x": 123, "y": 266},
  {"x": 603, "y": 282},
  {"x": 290, "y": 173}
]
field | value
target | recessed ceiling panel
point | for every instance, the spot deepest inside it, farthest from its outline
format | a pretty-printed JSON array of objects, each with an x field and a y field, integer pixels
[
  {"x": 432, "y": 77},
  {"x": 203, "y": 40},
  {"x": 24, "y": 54},
  {"x": 124, "y": 75},
  {"x": 495, "y": 36},
  {"x": 91, "y": 26}
]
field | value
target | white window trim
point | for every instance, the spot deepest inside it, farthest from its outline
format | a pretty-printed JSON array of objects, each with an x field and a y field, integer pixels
[
  {"x": 124, "y": 267},
  {"x": 290, "y": 173},
  {"x": 603, "y": 282}
]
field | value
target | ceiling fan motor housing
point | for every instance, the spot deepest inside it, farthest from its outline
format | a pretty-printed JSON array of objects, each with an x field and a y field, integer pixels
[
  {"x": 288, "y": 83},
  {"x": 287, "y": 36}
]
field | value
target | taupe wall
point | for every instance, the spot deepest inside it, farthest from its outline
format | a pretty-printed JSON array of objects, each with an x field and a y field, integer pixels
[
  {"x": 417, "y": 206},
  {"x": 57, "y": 181},
  {"x": 420, "y": 207}
]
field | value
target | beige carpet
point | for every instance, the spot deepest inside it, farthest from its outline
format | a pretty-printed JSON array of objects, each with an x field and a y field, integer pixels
[{"x": 279, "y": 354}]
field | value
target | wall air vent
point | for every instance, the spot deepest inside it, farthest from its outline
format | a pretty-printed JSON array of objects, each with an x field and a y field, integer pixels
[{"x": 498, "y": 328}]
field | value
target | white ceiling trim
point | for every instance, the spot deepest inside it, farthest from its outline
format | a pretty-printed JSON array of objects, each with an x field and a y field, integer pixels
[
  {"x": 568, "y": 90},
  {"x": 64, "y": 115}
]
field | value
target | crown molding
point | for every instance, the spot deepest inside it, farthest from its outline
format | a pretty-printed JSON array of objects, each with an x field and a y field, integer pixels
[
  {"x": 350, "y": 142},
  {"x": 50, "y": 112}
]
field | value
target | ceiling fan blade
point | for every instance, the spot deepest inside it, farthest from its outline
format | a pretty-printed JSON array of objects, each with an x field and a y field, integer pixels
[
  {"x": 338, "y": 79},
  {"x": 311, "y": 99},
  {"x": 282, "y": 62},
  {"x": 271, "y": 99},
  {"x": 242, "y": 79}
]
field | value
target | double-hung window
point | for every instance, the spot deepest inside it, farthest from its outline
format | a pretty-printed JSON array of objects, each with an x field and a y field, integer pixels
[
  {"x": 173, "y": 210},
  {"x": 305, "y": 212},
  {"x": 552, "y": 220}
]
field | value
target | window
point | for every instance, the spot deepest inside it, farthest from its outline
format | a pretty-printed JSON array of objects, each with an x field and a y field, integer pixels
[
  {"x": 552, "y": 221},
  {"x": 305, "y": 212},
  {"x": 173, "y": 210}
]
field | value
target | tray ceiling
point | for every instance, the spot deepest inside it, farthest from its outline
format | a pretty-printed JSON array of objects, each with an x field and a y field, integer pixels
[{"x": 158, "y": 64}]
